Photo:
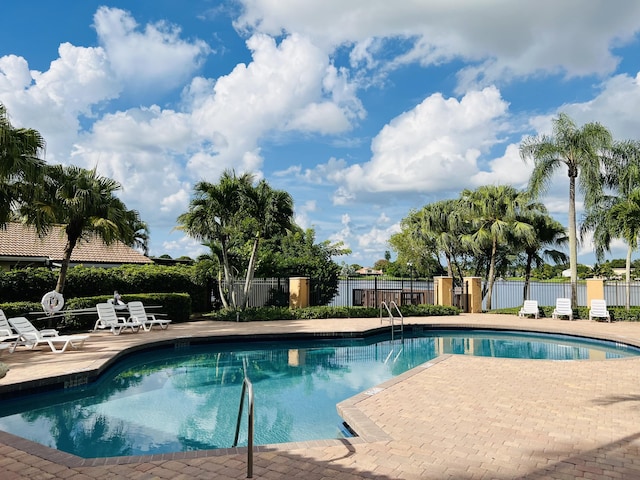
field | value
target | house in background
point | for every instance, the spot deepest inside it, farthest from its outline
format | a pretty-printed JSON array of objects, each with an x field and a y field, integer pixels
[
  {"x": 368, "y": 271},
  {"x": 20, "y": 247}
]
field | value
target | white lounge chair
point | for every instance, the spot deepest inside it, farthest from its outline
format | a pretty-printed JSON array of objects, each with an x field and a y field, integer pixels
[
  {"x": 107, "y": 318},
  {"x": 138, "y": 313},
  {"x": 530, "y": 307},
  {"x": 31, "y": 337},
  {"x": 6, "y": 332},
  {"x": 599, "y": 310},
  {"x": 563, "y": 308}
]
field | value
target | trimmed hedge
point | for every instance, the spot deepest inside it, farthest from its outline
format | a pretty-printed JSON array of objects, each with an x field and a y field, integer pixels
[{"x": 309, "y": 313}]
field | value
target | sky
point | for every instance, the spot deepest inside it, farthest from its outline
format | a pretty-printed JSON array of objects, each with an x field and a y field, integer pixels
[{"x": 361, "y": 109}]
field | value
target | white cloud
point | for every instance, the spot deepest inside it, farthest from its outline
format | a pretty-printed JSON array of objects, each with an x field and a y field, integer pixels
[
  {"x": 156, "y": 56},
  {"x": 287, "y": 86},
  {"x": 509, "y": 169},
  {"x": 433, "y": 148},
  {"x": 563, "y": 37}
]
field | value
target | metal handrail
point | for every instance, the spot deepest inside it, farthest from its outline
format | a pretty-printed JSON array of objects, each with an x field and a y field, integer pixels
[
  {"x": 247, "y": 387},
  {"x": 391, "y": 316}
]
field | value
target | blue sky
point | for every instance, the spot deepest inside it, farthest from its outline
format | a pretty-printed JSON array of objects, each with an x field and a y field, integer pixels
[{"x": 360, "y": 109}]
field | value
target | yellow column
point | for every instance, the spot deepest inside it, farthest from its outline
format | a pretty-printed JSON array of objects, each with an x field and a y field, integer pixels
[
  {"x": 443, "y": 291},
  {"x": 474, "y": 291},
  {"x": 595, "y": 290},
  {"x": 298, "y": 292}
]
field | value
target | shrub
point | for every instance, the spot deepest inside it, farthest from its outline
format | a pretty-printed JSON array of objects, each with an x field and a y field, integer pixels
[{"x": 308, "y": 313}]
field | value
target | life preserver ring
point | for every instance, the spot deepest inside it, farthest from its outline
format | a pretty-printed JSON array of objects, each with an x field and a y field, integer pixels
[{"x": 52, "y": 302}]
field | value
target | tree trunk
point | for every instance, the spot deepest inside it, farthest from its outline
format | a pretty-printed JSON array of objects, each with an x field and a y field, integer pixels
[
  {"x": 627, "y": 303},
  {"x": 573, "y": 242},
  {"x": 492, "y": 263},
  {"x": 66, "y": 259},
  {"x": 250, "y": 270},
  {"x": 527, "y": 277}
]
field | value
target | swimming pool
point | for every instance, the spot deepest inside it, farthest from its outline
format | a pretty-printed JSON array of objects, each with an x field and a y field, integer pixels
[{"x": 179, "y": 400}]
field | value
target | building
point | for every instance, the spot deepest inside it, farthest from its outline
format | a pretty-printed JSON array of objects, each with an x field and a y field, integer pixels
[
  {"x": 20, "y": 246},
  {"x": 368, "y": 271}
]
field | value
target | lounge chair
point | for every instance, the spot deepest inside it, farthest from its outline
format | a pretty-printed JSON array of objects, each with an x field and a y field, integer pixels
[
  {"x": 107, "y": 318},
  {"x": 563, "y": 308},
  {"x": 137, "y": 312},
  {"x": 6, "y": 332},
  {"x": 30, "y": 336},
  {"x": 530, "y": 307},
  {"x": 599, "y": 310}
]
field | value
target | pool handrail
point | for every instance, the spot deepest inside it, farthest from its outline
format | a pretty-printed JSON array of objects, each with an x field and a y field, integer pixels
[{"x": 247, "y": 387}]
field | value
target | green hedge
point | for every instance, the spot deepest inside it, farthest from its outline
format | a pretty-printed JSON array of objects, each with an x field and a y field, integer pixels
[
  {"x": 30, "y": 284},
  {"x": 284, "y": 313},
  {"x": 174, "y": 306}
]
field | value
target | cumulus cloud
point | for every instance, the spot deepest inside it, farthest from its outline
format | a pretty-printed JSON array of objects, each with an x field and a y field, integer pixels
[
  {"x": 287, "y": 86},
  {"x": 499, "y": 47},
  {"x": 426, "y": 149},
  {"x": 156, "y": 56}
]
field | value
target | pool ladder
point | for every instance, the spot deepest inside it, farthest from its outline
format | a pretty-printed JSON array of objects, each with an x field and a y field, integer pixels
[
  {"x": 390, "y": 308},
  {"x": 247, "y": 388}
]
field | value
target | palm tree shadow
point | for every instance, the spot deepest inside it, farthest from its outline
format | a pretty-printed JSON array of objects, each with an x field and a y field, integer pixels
[
  {"x": 571, "y": 464},
  {"x": 613, "y": 399}
]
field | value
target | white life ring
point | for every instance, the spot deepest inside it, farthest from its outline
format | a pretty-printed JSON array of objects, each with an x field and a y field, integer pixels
[{"x": 52, "y": 302}]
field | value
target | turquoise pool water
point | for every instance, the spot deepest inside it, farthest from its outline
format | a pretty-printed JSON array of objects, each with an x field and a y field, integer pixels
[{"x": 178, "y": 400}]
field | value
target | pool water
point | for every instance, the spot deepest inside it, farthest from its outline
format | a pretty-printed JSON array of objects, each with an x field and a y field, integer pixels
[{"x": 171, "y": 400}]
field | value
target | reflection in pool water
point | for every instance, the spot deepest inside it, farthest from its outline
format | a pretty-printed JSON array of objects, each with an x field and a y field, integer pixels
[{"x": 177, "y": 400}]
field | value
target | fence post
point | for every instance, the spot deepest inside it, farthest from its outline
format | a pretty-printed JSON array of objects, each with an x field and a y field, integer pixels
[
  {"x": 595, "y": 290},
  {"x": 475, "y": 294},
  {"x": 443, "y": 287},
  {"x": 298, "y": 292}
]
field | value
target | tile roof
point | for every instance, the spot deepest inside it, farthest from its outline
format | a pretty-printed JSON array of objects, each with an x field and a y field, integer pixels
[{"x": 18, "y": 240}]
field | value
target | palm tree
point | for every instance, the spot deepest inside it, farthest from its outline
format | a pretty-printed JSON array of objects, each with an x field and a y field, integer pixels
[
  {"x": 618, "y": 215},
  {"x": 84, "y": 203},
  {"x": 269, "y": 213},
  {"x": 581, "y": 151},
  {"x": 213, "y": 218},
  {"x": 20, "y": 164},
  {"x": 493, "y": 212},
  {"x": 549, "y": 234},
  {"x": 441, "y": 224},
  {"x": 227, "y": 215}
]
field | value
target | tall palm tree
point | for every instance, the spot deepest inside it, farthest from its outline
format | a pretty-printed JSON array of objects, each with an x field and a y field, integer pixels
[
  {"x": 20, "y": 164},
  {"x": 269, "y": 213},
  {"x": 493, "y": 212},
  {"x": 84, "y": 203},
  {"x": 579, "y": 149},
  {"x": 618, "y": 215}
]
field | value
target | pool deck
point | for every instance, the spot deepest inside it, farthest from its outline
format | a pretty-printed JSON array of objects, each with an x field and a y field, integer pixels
[{"x": 456, "y": 417}]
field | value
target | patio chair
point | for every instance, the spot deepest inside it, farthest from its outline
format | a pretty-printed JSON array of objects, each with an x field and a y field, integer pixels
[
  {"x": 563, "y": 308},
  {"x": 6, "y": 332},
  {"x": 530, "y": 307},
  {"x": 107, "y": 318},
  {"x": 30, "y": 336},
  {"x": 138, "y": 313},
  {"x": 599, "y": 310}
]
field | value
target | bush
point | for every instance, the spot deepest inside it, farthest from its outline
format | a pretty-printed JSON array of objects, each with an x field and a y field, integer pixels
[{"x": 309, "y": 313}]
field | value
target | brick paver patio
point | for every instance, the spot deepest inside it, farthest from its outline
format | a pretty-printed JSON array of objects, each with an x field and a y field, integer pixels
[{"x": 457, "y": 417}]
